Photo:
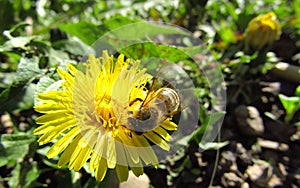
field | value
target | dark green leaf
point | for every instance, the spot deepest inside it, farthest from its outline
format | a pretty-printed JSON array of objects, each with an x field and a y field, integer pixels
[
  {"x": 85, "y": 31},
  {"x": 17, "y": 98},
  {"x": 118, "y": 21}
]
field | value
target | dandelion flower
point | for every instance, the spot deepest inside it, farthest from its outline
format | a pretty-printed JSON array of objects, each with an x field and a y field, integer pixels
[
  {"x": 87, "y": 119},
  {"x": 262, "y": 30}
]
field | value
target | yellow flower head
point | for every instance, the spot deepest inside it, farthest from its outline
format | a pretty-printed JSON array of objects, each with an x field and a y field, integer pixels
[
  {"x": 262, "y": 30},
  {"x": 92, "y": 118}
]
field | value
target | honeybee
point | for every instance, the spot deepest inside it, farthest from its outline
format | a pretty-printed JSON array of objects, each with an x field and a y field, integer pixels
[{"x": 154, "y": 109}]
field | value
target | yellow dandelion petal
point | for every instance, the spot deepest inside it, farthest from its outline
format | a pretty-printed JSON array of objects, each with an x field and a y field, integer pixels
[
  {"x": 56, "y": 97},
  {"x": 67, "y": 154},
  {"x": 157, "y": 140},
  {"x": 50, "y": 125},
  {"x": 98, "y": 150},
  {"x": 79, "y": 158},
  {"x": 169, "y": 125},
  {"x": 121, "y": 155},
  {"x": 62, "y": 143},
  {"x": 145, "y": 150},
  {"x": 137, "y": 171},
  {"x": 101, "y": 170},
  {"x": 162, "y": 132},
  {"x": 69, "y": 79},
  {"x": 55, "y": 132},
  {"x": 49, "y": 106},
  {"x": 122, "y": 172},
  {"x": 52, "y": 116},
  {"x": 131, "y": 151},
  {"x": 72, "y": 69},
  {"x": 111, "y": 152}
]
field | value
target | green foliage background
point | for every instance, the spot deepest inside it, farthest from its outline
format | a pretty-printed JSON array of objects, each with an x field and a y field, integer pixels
[{"x": 38, "y": 36}]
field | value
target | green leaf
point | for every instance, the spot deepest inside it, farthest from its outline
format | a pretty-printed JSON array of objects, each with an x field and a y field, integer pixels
[
  {"x": 27, "y": 70},
  {"x": 14, "y": 140},
  {"x": 290, "y": 104},
  {"x": 6, "y": 79},
  {"x": 18, "y": 26},
  {"x": 13, "y": 59},
  {"x": 207, "y": 125},
  {"x": 297, "y": 93},
  {"x": 14, "y": 146},
  {"x": 85, "y": 31},
  {"x": 14, "y": 179},
  {"x": 17, "y": 98},
  {"x": 75, "y": 47},
  {"x": 24, "y": 175},
  {"x": 150, "y": 49},
  {"x": 32, "y": 174},
  {"x": 57, "y": 57},
  {"x": 16, "y": 42},
  {"x": 141, "y": 31},
  {"x": 118, "y": 21}
]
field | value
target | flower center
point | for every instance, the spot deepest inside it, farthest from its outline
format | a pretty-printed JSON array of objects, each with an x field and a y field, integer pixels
[{"x": 105, "y": 112}]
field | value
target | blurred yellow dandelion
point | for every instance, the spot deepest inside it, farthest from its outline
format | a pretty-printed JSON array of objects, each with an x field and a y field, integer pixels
[
  {"x": 262, "y": 30},
  {"x": 88, "y": 118}
]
